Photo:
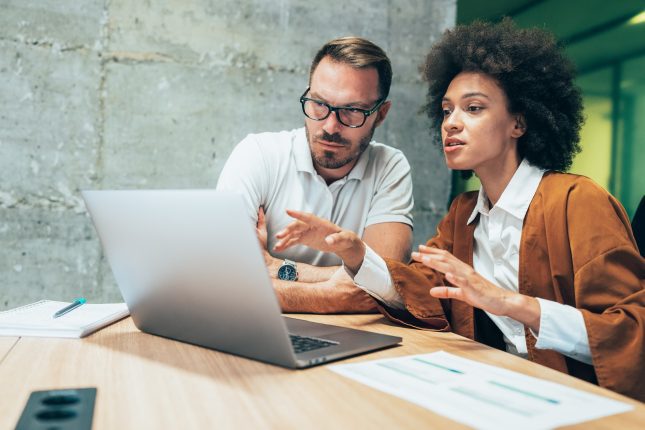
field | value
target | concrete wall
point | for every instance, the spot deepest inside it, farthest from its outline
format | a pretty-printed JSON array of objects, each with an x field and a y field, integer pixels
[{"x": 143, "y": 94}]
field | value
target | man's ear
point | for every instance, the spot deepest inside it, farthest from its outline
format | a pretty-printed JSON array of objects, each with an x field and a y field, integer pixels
[
  {"x": 520, "y": 127},
  {"x": 382, "y": 112}
]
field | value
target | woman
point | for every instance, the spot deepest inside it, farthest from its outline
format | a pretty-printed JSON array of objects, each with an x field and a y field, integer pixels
[{"x": 539, "y": 263}]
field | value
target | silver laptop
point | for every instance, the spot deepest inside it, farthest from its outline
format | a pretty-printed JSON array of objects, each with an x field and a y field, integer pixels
[{"x": 190, "y": 268}]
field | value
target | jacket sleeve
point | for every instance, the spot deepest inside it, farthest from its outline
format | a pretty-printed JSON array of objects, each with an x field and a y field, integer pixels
[
  {"x": 413, "y": 282},
  {"x": 608, "y": 284}
]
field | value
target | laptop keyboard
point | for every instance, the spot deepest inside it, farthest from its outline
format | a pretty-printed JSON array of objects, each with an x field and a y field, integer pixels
[{"x": 303, "y": 343}]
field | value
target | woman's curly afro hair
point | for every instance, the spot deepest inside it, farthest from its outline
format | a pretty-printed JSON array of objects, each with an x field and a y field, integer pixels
[{"x": 531, "y": 69}]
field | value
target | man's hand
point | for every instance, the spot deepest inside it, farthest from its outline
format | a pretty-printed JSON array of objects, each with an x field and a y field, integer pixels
[
  {"x": 346, "y": 296},
  {"x": 474, "y": 289},
  {"x": 323, "y": 235},
  {"x": 337, "y": 295},
  {"x": 261, "y": 230}
]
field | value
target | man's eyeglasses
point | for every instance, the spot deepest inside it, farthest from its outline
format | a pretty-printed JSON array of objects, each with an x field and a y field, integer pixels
[{"x": 348, "y": 116}]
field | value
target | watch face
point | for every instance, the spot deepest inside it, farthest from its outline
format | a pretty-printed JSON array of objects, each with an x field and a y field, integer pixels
[{"x": 287, "y": 273}]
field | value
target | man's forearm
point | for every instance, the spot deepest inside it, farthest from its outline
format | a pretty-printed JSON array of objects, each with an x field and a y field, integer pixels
[
  {"x": 297, "y": 296},
  {"x": 306, "y": 272},
  {"x": 322, "y": 298},
  {"x": 312, "y": 274}
]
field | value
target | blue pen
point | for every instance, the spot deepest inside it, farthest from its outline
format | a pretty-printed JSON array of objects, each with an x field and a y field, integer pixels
[{"x": 76, "y": 303}]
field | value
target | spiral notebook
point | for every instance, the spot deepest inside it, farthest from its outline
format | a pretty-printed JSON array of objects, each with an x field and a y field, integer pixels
[{"x": 36, "y": 319}]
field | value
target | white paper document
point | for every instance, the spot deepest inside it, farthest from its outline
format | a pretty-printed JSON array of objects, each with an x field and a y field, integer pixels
[
  {"x": 36, "y": 319},
  {"x": 480, "y": 395}
]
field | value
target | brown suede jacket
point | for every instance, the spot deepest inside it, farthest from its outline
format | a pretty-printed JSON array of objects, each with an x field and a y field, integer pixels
[{"x": 577, "y": 248}]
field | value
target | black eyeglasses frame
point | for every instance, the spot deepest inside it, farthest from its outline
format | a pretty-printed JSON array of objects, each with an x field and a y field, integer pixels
[{"x": 366, "y": 112}]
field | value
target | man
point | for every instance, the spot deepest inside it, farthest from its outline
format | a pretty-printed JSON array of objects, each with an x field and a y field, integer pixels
[{"x": 332, "y": 168}]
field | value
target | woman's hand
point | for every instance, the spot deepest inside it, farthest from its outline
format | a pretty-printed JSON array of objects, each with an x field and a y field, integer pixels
[
  {"x": 472, "y": 288},
  {"x": 323, "y": 235}
]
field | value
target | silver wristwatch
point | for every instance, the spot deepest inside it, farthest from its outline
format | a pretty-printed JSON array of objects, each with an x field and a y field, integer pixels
[{"x": 288, "y": 271}]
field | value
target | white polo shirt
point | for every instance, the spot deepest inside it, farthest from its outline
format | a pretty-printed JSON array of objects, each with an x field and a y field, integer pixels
[{"x": 275, "y": 171}]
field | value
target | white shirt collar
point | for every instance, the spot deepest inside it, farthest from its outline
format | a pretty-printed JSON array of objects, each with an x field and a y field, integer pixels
[
  {"x": 302, "y": 153},
  {"x": 517, "y": 195},
  {"x": 304, "y": 163}
]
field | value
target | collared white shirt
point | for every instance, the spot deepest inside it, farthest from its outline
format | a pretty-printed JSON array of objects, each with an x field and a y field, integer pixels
[
  {"x": 496, "y": 249},
  {"x": 275, "y": 171},
  {"x": 496, "y": 257}
]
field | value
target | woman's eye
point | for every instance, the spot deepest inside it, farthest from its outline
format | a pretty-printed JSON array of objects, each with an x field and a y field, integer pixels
[
  {"x": 474, "y": 108},
  {"x": 445, "y": 111}
]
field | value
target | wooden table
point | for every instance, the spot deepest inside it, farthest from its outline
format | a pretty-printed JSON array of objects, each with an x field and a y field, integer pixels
[{"x": 146, "y": 381}]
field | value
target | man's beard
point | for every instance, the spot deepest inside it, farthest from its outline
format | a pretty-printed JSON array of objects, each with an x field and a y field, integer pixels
[{"x": 328, "y": 159}]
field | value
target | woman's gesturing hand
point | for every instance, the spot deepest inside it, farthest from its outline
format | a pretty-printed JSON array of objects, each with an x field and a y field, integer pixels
[{"x": 468, "y": 285}]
